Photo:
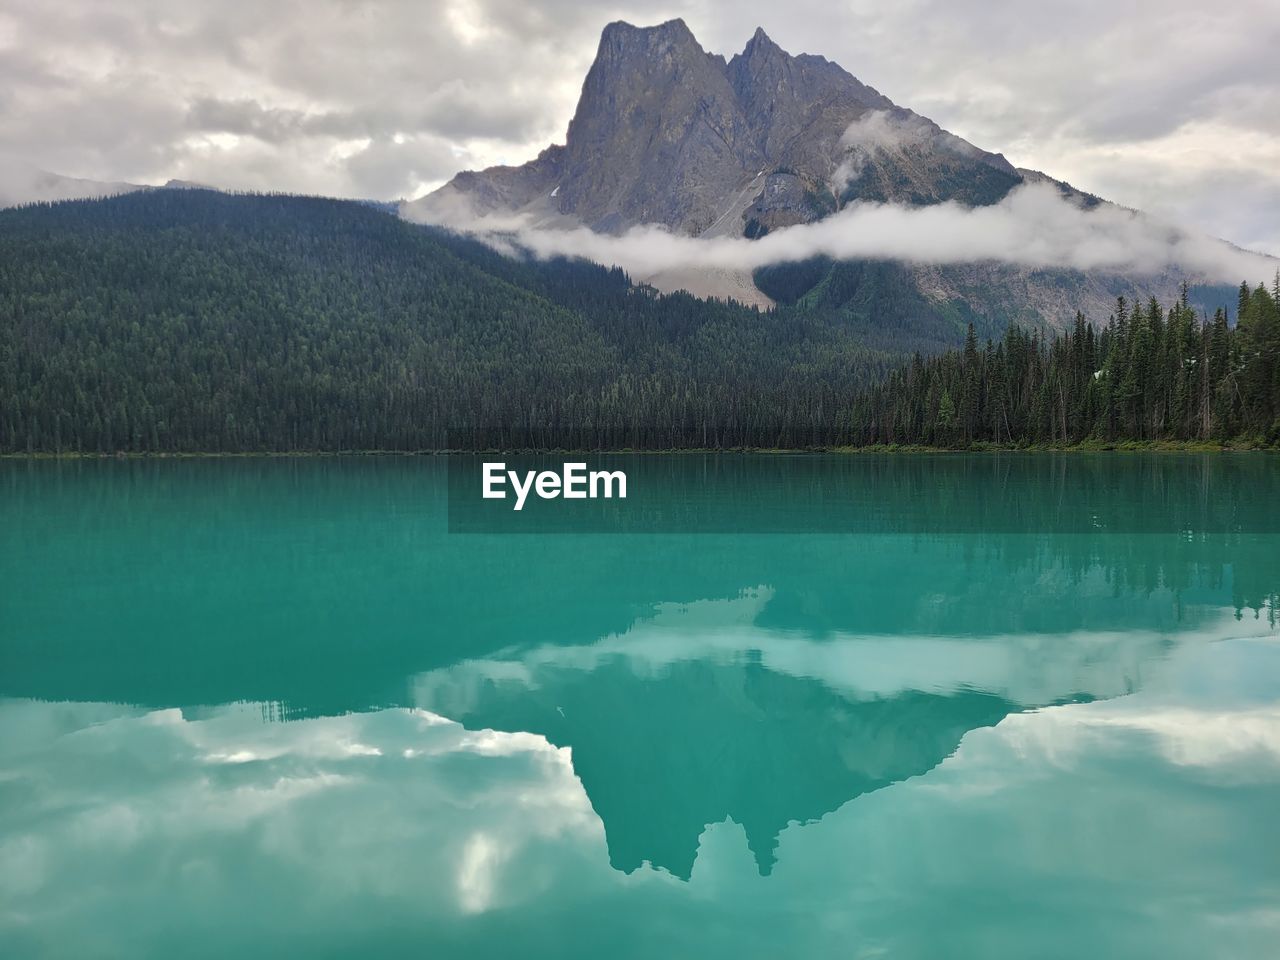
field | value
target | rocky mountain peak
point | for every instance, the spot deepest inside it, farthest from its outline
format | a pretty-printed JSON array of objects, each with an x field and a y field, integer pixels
[
  {"x": 786, "y": 94},
  {"x": 667, "y": 133},
  {"x": 630, "y": 58},
  {"x": 623, "y": 32},
  {"x": 620, "y": 41}
]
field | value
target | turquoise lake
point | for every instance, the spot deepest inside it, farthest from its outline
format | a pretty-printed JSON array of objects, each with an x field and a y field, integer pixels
[{"x": 952, "y": 706}]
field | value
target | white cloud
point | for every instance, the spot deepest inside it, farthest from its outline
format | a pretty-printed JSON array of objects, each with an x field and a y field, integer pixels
[
  {"x": 1034, "y": 226},
  {"x": 877, "y": 130},
  {"x": 108, "y": 92},
  {"x": 23, "y": 183}
]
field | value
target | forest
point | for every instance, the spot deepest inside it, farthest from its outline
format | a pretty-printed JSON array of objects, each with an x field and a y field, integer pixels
[
  {"x": 1150, "y": 374},
  {"x": 185, "y": 321},
  {"x": 193, "y": 321}
]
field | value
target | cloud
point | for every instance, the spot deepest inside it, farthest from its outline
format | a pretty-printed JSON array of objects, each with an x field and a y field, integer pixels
[
  {"x": 232, "y": 91},
  {"x": 234, "y": 793},
  {"x": 1027, "y": 669},
  {"x": 882, "y": 131},
  {"x": 1223, "y": 177},
  {"x": 249, "y": 118},
  {"x": 457, "y": 110},
  {"x": 390, "y": 167},
  {"x": 1034, "y": 226},
  {"x": 22, "y": 183},
  {"x": 864, "y": 135},
  {"x": 144, "y": 90}
]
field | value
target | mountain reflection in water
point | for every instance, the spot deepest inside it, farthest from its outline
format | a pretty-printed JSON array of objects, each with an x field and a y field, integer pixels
[{"x": 922, "y": 743}]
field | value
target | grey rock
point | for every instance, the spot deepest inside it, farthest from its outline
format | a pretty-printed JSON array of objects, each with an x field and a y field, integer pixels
[{"x": 667, "y": 133}]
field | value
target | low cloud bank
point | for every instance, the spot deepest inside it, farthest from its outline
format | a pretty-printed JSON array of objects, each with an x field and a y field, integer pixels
[
  {"x": 1034, "y": 226},
  {"x": 23, "y": 183},
  {"x": 880, "y": 131}
]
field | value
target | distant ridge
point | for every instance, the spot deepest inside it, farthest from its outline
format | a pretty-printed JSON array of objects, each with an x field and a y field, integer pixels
[{"x": 24, "y": 183}]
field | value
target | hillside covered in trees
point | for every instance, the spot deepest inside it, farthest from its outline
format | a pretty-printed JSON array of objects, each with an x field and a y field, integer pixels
[
  {"x": 194, "y": 321},
  {"x": 1149, "y": 374},
  {"x": 197, "y": 321}
]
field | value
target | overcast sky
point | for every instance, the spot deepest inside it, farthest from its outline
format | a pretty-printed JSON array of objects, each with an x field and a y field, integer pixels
[{"x": 1170, "y": 106}]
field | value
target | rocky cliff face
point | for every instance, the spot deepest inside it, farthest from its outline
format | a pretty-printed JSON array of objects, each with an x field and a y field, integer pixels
[
  {"x": 667, "y": 133},
  {"x": 658, "y": 136}
]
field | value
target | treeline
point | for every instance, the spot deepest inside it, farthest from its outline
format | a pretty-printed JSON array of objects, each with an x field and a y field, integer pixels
[
  {"x": 1150, "y": 374},
  {"x": 193, "y": 321},
  {"x": 170, "y": 321}
]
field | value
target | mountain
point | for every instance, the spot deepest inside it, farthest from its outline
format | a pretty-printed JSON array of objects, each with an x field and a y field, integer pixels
[
  {"x": 193, "y": 320},
  {"x": 185, "y": 320},
  {"x": 23, "y": 183},
  {"x": 667, "y": 133}
]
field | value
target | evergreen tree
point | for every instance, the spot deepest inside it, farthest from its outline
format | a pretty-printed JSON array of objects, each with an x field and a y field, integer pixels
[{"x": 1148, "y": 375}]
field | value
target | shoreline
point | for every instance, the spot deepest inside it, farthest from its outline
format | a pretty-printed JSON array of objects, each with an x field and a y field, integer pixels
[{"x": 1116, "y": 447}]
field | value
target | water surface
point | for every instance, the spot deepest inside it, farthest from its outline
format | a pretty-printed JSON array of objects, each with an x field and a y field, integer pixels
[{"x": 275, "y": 706}]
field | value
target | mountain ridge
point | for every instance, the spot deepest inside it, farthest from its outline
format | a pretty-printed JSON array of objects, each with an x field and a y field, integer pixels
[
  {"x": 25, "y": 183},
  {"x": 666, "y": 133}
]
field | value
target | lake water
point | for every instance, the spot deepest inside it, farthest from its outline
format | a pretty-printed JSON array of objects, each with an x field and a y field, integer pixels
[{"x": 1013, "y": 707}]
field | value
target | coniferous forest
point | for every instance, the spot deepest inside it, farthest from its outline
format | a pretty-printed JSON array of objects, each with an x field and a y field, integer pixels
[
  {"x": 173, "y": 321},
  {"x": 1150, "y": 374},
  {"x": 193, "y": 321}
]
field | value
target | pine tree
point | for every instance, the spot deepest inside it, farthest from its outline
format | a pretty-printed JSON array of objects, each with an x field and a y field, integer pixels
[{"x": 1181, "y": 379}]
